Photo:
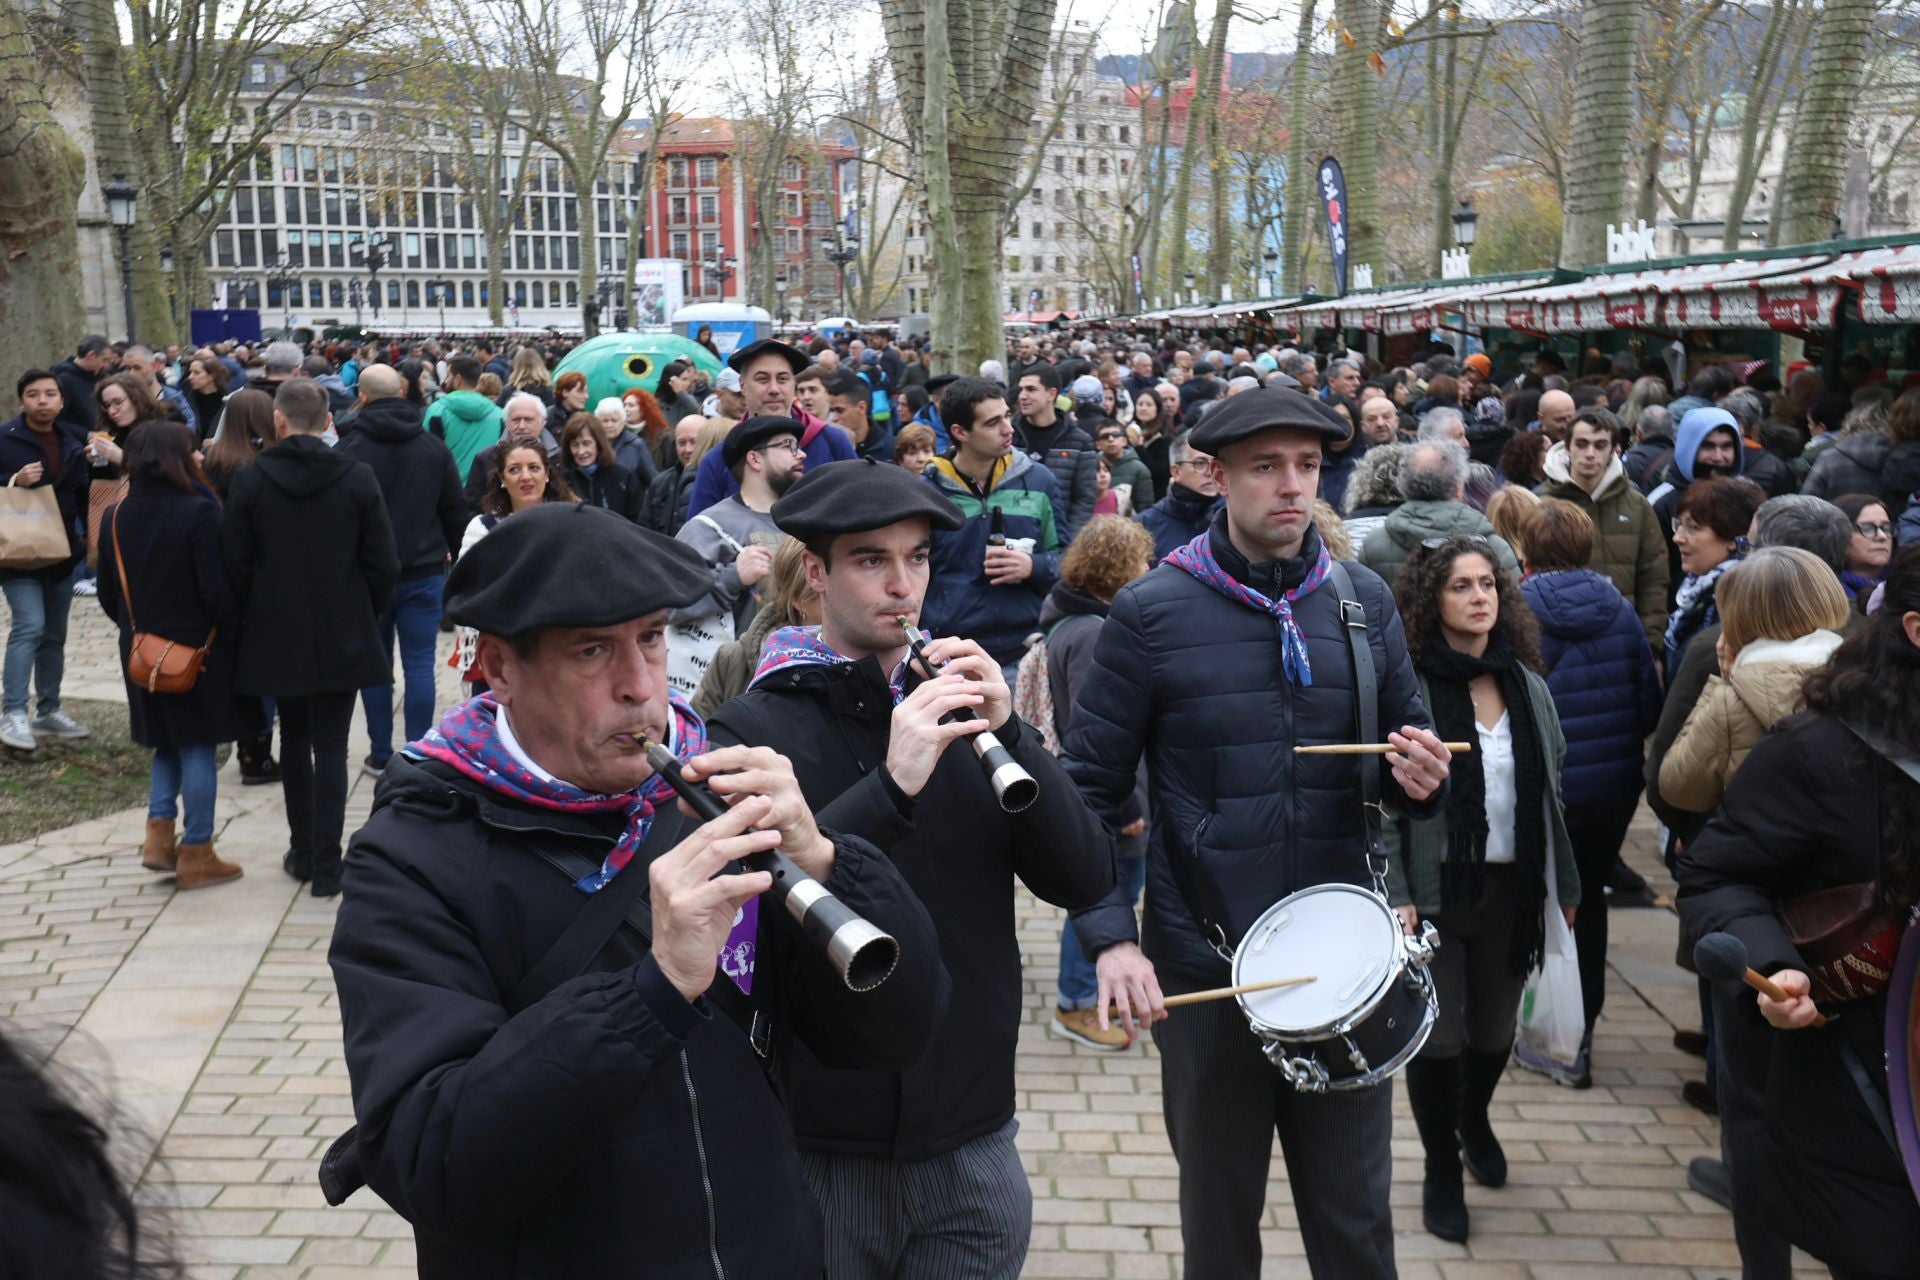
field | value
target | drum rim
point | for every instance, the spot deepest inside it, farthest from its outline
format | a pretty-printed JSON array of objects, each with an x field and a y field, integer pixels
[{"x": 1360, "y": 1010}]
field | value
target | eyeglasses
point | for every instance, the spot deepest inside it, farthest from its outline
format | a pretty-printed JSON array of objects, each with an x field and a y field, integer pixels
[
  {"x": 1109, "y": 435},
  {"x": 790, "y": 446},
  {"x": 1869, "y": 529},
  {"x": 1197, "y": 465}
]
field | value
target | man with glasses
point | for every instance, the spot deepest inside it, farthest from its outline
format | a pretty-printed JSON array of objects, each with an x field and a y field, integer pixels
[
  {"x": 1192, "y": 494},
  {"x": 736, "y": 536}
]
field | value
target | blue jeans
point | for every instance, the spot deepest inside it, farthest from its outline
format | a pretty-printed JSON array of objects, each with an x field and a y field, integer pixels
[
  {"x": 37, "y": 641},
  {"x": 415, "y": 616},
  {"x": 188, "y": 773},
  {"x": 1079, "y": 984}
]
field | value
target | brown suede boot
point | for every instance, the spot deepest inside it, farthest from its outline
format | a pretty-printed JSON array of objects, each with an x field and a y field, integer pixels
[
  {"x": 159, "y": 853},
  {"x": 199, "y": 867}
]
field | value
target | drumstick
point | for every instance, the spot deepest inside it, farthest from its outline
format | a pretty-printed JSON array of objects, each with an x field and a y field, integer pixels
[
  {"x": 1368, "y": 749},
  {"x": 1224, "y": 993}
]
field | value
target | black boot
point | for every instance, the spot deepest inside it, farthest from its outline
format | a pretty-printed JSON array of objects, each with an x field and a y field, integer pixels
[
  {"x": 1479, "y": 1148},
  {"x": 257, "y": 765},
  {"x": 298, "y": 865},
  {"x": 326, "y": 872},
  {"x": 1433, "y": 1087}
]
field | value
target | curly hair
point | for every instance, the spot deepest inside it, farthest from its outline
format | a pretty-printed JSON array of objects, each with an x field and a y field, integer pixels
[
  {"x": 1108, "y": 553},
  {"x": 1417, "y": 592},
  {"x": 1873, "y": 681},
  {"x": 497, "y": 503},
  {"x": 653, "y": 423},
  {"x": 1524, "y": 459}
]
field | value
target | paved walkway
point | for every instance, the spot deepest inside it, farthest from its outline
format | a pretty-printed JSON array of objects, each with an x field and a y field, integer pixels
[{"x": 210, "y": 1019}]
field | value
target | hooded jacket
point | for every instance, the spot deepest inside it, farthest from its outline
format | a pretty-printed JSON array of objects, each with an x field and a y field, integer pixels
[
  {"x": 1389, "y": 546},
  {"x": 1132, "y": 472},
  {"x": 1071, "y": 621},
  {"x": 1601, "y": 674},
  {"x": 1627, "y": 547},
  {"x": 468, "y": 423},
  {"x": 960, "y": 601},
  {"x": 76, "y": 395},
  {"x": 1734, "y": 711},
  {"x": 1068, "y": 452},
  {"x": 419, "y": 480},
  {"x": 310, "y": 554},
  {"x": 1678, "y": 475},
  {"x": 1177, "y": 519},
  {"x": 1855, "y": 464}
]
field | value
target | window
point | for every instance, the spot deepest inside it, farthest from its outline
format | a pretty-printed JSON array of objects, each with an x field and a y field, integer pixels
[
  {"x": 393, "y": 293},
  {"x": 710, "y": 244},
  {"x": 304, "y": 117},
  {"x": 466, "y": 293},
  {"x": 223, "y": 249},
  {"x": 323, "y": 120},
  {"x": 1039, "y": 230},
  {"x": 336, "y": 294},
  {"x": 539, "y": 253},
  {"x": 1080, "y": 165},
  {"x": 1126, "y": 133},
  {"x": 1060, "y": 164},
  {"x": 793, "y": 204},
  {"x": 1079, "y": 131},
  {"x": 1059, "y": 266},
  {"x": 710, "y": 207},
  {"x": 468, "y": 245},
  {"x": 413, "y": 293},
  {"x": 413, "y": 249},
  {"x": 793, "y": 171},
  {"x": 1125, "y": 166},
  {"x": 314, "y": 294},
  {"x": 1037, "y": 195},
  {"x": 709, "y": 170},
  {"x": 336, "y": 249},
  {"x": 1103, "y": 164},
  {"x": 676, "y": 208},
  {"x": 1038, "y": 263},
  {"x": 242, "y": 204},
  {"x": 1103, "y": 133},
  {"x": 256, "y": 73},
  {"x": 677, "y": 171},
  {"x": 679, "y": 243},
  {"x": 365, "y": 122},
  {"x": 793, "y": 241},
  {"x": 540, "y": 293},
  {"x": 1013, "y": 233}
]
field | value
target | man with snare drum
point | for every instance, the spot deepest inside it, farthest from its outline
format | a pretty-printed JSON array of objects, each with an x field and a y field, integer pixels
[{"x": 1215, "y": 665}]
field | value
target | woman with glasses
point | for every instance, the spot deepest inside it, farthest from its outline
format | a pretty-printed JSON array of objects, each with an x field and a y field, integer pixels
[
  {"x": 1872, "y": 547},
  {"x": 1480, "y": 869},
  {"x": 1710, "y": 532}
]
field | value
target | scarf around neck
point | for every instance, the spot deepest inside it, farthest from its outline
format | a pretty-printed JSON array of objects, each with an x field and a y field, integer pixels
[
  {"x": 1462, "y": 874},
  {"x": 1694, "y": 607},
  {"x": 468, "y": 741},
  {"x": 1197, "y": 558},
  {"x": 803, "y": 647}
]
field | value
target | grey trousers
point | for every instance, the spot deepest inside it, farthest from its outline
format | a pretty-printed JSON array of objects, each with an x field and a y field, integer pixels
[
  {"x": 965, "y": 1215},
  {"x": 1478, "y": 991},
  {"x": 1223, "y": 1103}
]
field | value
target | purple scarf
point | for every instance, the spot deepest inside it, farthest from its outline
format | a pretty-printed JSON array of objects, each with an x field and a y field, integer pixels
[
  {"x": 803, "y": 647},
  {"x": 1197, "y": 559},
  {"x": 467, "y": 739}
]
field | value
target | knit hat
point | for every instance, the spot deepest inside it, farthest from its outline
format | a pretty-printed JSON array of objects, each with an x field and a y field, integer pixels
[{"x": 1087, "y": 389}]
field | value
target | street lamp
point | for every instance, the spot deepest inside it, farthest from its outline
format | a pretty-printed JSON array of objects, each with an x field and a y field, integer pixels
[
  {"x": 444, "y": 288},
  {"x": 780, "y": 293},
  {"x": 122, "y": 197},
  {"x": 1192, "y": 297},
  {"x": 721, "y": 269},
  {"x": 377, "y": 252},
  {"x": 1464, "y": 222},
  {"x": 848, "y": 251},
  {"x": 166, "y": 270},
  {"x": 285, "y": 279},
  {"x": 1271, "y": 261},
  {"x": 606, "y": 290}
]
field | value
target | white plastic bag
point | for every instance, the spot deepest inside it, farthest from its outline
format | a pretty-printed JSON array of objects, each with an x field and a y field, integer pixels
[{"x": 1553, "y": 1019}]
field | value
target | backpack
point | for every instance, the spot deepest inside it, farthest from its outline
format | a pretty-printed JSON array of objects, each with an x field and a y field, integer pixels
[
  {"x": 882, "y": 409},
  {"x": 1033, "y": 691}
]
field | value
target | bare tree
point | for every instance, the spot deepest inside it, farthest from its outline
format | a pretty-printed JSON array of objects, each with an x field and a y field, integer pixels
[
  {"x": 1296, "y": 228},
  {"x": 1770, "y": 82},
  {"x": 1817, "y": 148},
  {"x": 1603, "y": 104}
]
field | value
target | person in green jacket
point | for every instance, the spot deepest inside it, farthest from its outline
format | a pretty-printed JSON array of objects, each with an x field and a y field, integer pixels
[
  {"x": 467, "y": 421},
  {"x": 1433, "y": 480},
  {"x": 1628, "y": 547},
  {"x": 1123, "y": 464},
  {"x": 1481, "y": 869}
]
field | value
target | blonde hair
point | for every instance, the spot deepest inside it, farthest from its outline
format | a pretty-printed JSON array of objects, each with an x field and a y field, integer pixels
[
  {"x": 1507, "y": 511},
  {"x": 1778, "y": 593},
  {"x": 528, "y": 370},
  {"x": 1106, "y": 555},
  {"x": 787, "y": 587},
  {"x": 1333, "y": 530},
  {"x": 489, "y": 386},
  {"x": 711, "y": 436}
]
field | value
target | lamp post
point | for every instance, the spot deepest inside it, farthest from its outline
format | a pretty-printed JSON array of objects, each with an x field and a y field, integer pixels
[
  {"x": 721, "y": 269},
  {"x": 284, "y": 278},
  {"x": 606, "y": 289},
  {"x": 166, "y": 270},
  {"x": 848, "y": 251},
  {"x": 122, "y": 198},
  {"x": 356, "y": 294},
  {"x": 1271, "y": 261},
  {"x": 1465, "y": 221},
  {"x": 1192, "y": 296},
  {"x": 377, "y": 252},
  {"x": 780, "y": 294},
  {"x": 443, "y": 289}
]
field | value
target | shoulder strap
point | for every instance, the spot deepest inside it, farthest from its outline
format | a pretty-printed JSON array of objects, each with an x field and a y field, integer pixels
[
  {"x": 725, "y": 537},
  {"x": 1899, "y": 759},
  {"x": 1366, "y": 709},
  {"x": 120, "y": 567},
  {"x": 588, "y": 932}
]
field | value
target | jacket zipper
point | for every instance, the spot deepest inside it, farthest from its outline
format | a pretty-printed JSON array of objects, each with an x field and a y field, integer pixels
[{"x": 706, "y": 1180}]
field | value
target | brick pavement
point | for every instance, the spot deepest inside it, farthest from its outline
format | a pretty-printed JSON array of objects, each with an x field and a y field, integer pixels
[{"x": 212, "y": 1017}]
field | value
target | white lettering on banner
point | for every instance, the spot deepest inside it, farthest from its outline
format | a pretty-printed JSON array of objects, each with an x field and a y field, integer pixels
[
  {"x": 1456, "y": 264},
  {"x": 1363, "y": 276},
  {"x": 1336, "y": 226},
  {"x": 1630, "y": 244}
]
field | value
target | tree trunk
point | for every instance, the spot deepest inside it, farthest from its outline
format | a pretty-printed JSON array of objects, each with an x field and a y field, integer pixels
[
  {"x": 1294, "y": 231},
  {"x": 1219, "y": 235},
  {"x": 1753, "y": 140},
  {"x": 1356, "y": 98},
  {"x": 41, "y": 174},
  {"x": 1603, "y": 120},
  {"x": 1817, "y": 148},
  {"x": 1200, "y": 111},
  {"x": 152, "y": 320},
  {"x": 1156, "y": 212}
]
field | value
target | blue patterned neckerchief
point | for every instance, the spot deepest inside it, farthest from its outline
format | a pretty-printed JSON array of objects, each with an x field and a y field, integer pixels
[
  {"x": 803, "y": 647},
  {"x": 1197, "y": 559}
]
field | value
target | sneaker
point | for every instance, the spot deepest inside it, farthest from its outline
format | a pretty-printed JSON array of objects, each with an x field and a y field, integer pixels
[
  {"x": 1083, "y": 1027},
  {"x": 86, "y": 587},
  {"x": 1567, "y": 1075},
  {"x": 58, "y": 724},
  {"x": 15, "y": 732},
  {"x": 373, "y": 768}
]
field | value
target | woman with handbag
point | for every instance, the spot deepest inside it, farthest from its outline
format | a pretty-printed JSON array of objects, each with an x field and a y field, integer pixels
[
  {"x": 1828, "y": 802},
  {"x": 162, "y": 580},
  {"x": 1480, "y": 868}
]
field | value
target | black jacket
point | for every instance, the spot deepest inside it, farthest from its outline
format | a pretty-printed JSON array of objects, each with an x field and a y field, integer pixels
[
  {"x": 180, "y": 591},
  {"x": 76, "y": 395},
  {"x": 311, "y": 556},
  {"x": 1157, "y": 453},
  {"x": 20, "y": 447},
  {"x": 1177, "y": 519},
  {"x": 611, "y": 487},
  {"x": 610, "y": 1128},
  {"x": 1069, "y": 454},
  {"x": 1194, "y": 680},
  {"x": 1803, "y": 814},
  {"x": 961, "y": 854},
  {"x": 666, "y": 506},
  {"x": 419, "y": 480}
]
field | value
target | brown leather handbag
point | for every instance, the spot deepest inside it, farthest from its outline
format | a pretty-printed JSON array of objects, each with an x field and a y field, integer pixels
[{"x": 155, "y": 663}]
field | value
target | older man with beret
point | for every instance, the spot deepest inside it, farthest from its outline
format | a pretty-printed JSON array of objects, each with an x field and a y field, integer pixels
[
  {"x": 767, "y": 370},
  {"x": 537, "y": 1100},
  {"x": 1217, "y": 663}
]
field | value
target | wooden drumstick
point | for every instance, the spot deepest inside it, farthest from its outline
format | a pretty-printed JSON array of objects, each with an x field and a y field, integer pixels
[
  {"x": 1368, "y": 749},
  {"x": 1224, "y": 993}
]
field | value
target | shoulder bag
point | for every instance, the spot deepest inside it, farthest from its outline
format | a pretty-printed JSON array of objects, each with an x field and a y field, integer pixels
[{"x": 155, "y": 663}]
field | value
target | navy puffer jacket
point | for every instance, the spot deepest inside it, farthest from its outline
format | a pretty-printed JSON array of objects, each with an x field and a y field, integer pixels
[
  {"x": 1194, "y": 681},
  {"x": 1600, "y": 672}
]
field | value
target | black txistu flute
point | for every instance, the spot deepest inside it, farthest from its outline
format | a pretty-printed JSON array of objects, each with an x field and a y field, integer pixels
[
  {"x": 861, "y": 953},
  {"x": 1012, "y": 785}
]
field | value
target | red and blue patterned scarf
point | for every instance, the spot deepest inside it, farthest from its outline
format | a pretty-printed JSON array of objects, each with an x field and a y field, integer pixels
[
  {"x": 1197, "y": 559},
  {"x": 803, "y": 647},
  {"x": 467, "y": 740}
]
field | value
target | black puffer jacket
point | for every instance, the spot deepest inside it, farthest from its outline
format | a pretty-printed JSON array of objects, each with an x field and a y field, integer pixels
[
  {"x": 666, "y": 506},
  {"x": 1853, "y": 465},
  {"x": 610, "y": 1128},
  {"x": 419, "y": 480},
  {"x": 1068, "y": 452},
  {"x": 1177, "y": 519},
  {"x": 611, "y": 487},
  {"x": 961, "y": 855},
  {"x": 1194, "y": 680}
]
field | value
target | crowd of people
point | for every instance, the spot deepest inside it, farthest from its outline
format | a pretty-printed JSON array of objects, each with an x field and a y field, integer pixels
[{"x": 1152, "y": 568}]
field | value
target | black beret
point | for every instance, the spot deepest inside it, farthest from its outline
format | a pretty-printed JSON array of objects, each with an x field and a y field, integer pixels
[
  {"x": 857, "y": 495},
  {"x": 746, "y": 355},
  {"x": 940, "y": 382},
  {"x": 567, "y": 564},
  {"x": 750, "y": 433},
  {"x": 1251, "y": 412}
]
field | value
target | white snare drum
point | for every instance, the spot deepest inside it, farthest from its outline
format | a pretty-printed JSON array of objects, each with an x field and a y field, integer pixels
[{"x": 1371, "y": 1006}]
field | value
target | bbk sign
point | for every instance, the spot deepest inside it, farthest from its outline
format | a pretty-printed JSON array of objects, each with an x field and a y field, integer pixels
[
  {"x": 1363, "y": 275},
  {"x": 1629, "y": 244},
  {"x": 1456, "y": 264}
]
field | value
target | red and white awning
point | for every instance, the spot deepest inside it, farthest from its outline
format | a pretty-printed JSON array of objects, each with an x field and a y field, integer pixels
[
  {"x": 1628, "y": 299},
  {"x": 1427, "y": 308}
]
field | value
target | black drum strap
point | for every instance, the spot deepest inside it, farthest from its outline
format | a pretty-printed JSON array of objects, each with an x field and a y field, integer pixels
[{"x": 1366, "y": 715}]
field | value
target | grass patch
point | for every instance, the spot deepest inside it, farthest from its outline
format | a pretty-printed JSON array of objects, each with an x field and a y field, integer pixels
[{"x": 65, "y": 782}]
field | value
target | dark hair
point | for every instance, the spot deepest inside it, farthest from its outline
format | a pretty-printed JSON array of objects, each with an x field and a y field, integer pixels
[
  {"x": 1873, "y": 680},
  {"x": 1852, "y": 504},
  {"x": 32, "y": 376},
  {"x": 851, "y": 386},
  {"x": 91, "y": 343},
  {"x": 962, "y": 396},
  {"x": 412, "y": 371},
  {"x": 496, "y": 503},
  {"x": 160, "y": 451},
  {"x": 1903, "y": 422},
  {"x": 303, "y": 403},
  {"x": 1524, "y": 408},
  {"x": 465, "y": 368},
  {"x": 216, "y": 370},
  {"x": 139, "y": 393},
  {"x": 1724, "y": 504},
  {"x": 1159, "y": 410},
  {"x": 1424, "y": 578},
  {"x": 1829, "y": 409},
  {"x": 1048, "y": 375},
  {"x": 1557, "y": 535},
  {"x": 1445, "y": 388},
  {"x": 585, "y": 424},
  {"x": 1523, "y": 460}
]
